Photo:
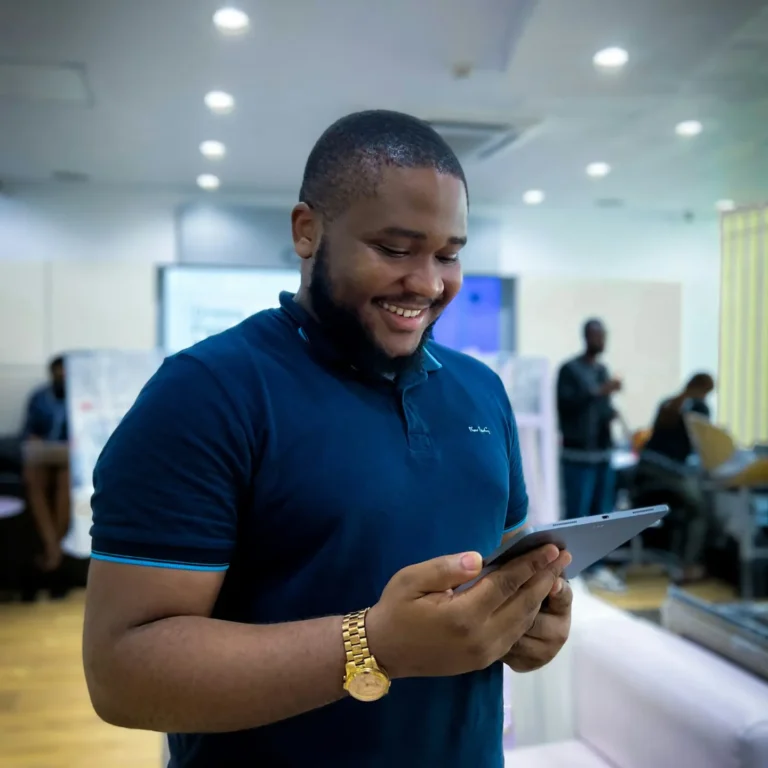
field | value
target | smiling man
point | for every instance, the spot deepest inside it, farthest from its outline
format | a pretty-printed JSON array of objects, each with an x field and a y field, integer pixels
[{"x": 282, "y": 517}]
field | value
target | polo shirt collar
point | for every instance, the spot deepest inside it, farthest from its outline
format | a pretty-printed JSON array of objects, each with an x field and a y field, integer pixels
[{"x": 312, "y": 333}]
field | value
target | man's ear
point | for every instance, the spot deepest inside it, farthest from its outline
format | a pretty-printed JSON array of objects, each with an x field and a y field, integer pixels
[{"x": 306, "y": 229}]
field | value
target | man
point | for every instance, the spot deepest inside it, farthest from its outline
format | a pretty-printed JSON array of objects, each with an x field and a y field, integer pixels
[
  {"x": 272, "y": 482},
  {"x": 46, "y": 414},
  {"x": 585, "y": 412},
  {"x": 665, "y": 466},
  {"x": 46, "y": 474}
]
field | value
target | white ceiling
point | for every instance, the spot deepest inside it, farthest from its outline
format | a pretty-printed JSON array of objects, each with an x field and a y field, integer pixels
[{"x": 130, "y": 111}]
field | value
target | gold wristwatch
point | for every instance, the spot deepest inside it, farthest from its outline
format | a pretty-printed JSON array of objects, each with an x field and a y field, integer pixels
[{"x": 364, "y": 679}]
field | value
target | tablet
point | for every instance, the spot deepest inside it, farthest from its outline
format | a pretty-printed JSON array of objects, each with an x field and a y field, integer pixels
[{"x": 587, "y": 539}]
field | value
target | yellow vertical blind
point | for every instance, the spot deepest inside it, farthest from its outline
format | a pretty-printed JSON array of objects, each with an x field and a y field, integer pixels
[{"x": 743, "y": 367}]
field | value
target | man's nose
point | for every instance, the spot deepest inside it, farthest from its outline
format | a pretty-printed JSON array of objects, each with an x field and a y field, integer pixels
[{"x": 425, "y": 280}]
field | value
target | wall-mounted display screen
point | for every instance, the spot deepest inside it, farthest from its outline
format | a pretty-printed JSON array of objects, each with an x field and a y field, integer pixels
[{"x": 197, "y": 302}]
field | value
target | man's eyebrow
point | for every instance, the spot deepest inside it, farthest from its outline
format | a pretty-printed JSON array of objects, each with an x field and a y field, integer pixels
[{"x": 414, "y": 234}]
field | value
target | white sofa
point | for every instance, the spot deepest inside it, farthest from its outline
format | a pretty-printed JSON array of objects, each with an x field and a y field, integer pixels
[{"x": 639, "y": 697}]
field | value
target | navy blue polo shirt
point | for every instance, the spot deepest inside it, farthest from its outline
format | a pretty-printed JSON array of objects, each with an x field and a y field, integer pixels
[{"x": 260, "y": 452}]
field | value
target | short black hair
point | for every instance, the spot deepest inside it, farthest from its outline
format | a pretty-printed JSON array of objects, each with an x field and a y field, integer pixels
[
  {"x": 56, "y": 362},
  {"x": 701, "y": 380},
  {"x": 590, "y": 324},
  {"x": 346, "y": 162}
]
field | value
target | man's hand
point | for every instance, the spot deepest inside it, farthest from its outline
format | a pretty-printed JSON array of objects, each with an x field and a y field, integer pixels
[
  {"x": 611, "y": 386},
  {"x": 421, "y": 628},
  {"x": 51, "y": 558},
  {"x": 548, "y": 634}
]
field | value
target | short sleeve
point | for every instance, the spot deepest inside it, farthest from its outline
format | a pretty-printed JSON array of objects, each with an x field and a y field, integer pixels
[
  {"x": 171, "y": 478},
  {"x": 517, "y": 506}
]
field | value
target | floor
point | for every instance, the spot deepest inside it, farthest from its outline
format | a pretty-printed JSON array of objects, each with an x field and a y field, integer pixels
[
  {"x": 647, "y": 589},
  {"x": 46, "y": 720}
]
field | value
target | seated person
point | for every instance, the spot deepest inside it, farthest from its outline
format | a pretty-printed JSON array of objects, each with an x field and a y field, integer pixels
[
  {"x": 47, "y": 481},
  {"x": 665, "y": 465}
]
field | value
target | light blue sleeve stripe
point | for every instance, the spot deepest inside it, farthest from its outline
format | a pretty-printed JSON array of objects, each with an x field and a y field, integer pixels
[
  {"x": 516, "y": 525},
  {"x": 157, "y": 563}
]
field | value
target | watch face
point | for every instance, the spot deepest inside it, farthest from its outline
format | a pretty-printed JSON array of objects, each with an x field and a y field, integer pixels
[{"x": 368, "y": 685}]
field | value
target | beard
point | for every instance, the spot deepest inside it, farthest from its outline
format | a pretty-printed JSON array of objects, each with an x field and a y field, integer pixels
[{"x": 348, "y": 334}]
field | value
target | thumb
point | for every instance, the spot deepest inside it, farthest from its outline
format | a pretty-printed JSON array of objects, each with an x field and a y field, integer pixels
[{"x": 440, "y": 574}]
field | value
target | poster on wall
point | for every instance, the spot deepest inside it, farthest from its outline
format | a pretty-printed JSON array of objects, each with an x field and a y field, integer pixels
[{"x": 101, "y": 388}]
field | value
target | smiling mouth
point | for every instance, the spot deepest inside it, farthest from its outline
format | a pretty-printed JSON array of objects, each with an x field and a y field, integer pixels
[{"x": 402, "y": 311}]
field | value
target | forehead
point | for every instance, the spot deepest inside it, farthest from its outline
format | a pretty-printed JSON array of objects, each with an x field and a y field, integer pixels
[{"x": 421, "y": 199}]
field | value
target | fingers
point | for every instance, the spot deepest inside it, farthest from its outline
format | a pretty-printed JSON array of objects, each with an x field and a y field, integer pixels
[
  {"x": 533, "y": 593},
  {"x": 438, "y": 575},
  {"x": 495, "y": 589},
  {"x": 549, "y": 628},
  {"x": 560, "y": 598}
]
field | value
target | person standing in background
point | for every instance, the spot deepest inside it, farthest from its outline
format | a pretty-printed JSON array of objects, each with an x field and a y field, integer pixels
[
  {"x": 585, "y": 413},
  {"x": 46, "y": 472}
]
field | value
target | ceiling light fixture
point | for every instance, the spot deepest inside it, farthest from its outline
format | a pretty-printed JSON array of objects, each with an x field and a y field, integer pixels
[
  {"x": 598, "y": 170},
  {"x": 533, "y": 197},
  {"x": 208, "y": 181},
  {"x": 689, "y": 128},
  {"x": 231, "y": 21},
  {"x": 724, "y": 206},
  {"x": 213, "y": 150},
  {"x": 610, "y": 58},
  {"x": 219, "y": 102}
]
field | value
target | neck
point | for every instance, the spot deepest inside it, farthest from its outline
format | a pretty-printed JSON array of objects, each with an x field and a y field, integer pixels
[
  {"x": 304, "y": 300},
  {"x": 590, "y": 357}
]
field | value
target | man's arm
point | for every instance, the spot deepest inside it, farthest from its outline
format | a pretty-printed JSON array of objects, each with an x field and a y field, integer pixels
[
  {"x": 168, "y": 487},
  {"x": 155, "y": 660}
]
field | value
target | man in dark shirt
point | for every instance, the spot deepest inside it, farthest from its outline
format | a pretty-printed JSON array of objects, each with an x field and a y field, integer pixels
[
  {"x": 274, "y": 480},
  {"x": 47, "y": 480},
  {"x": 46, "y": 414},
  {"x": 585, "y": 413},
  {"x": 665, "y": 466}
]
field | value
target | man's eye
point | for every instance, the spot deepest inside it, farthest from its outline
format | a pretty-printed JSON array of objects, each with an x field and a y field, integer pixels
[{"x": 392, "y": 251}]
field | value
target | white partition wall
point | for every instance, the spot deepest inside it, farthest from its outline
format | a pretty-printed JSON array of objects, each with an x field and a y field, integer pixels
[
  {"x": 55, "y": 307},
  {"x": 528, "y": 382},
  {"x": 644, "y": 333},
  {"x": 101, "y": 387}
]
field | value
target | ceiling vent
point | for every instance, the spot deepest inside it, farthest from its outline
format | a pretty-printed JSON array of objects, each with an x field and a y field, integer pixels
[
  {"x": 44, "y": 83},
  {"x": 477, "y": 141},
  {"x": 70, "y": 177},
  {"x": 609, "y": 202}
]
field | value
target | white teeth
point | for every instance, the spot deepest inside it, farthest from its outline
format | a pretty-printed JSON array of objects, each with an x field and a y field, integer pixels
[{"x": 400, "y": 311}]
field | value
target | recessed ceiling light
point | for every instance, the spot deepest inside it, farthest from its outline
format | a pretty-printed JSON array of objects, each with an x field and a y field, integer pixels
[
  {"x": 219, "y": 102},
  {"x": 208, "y": 181},
  {"x": 533, "y": 197},
  {"x": 598, "y": 170},
  {"x": 689, "y": 128},
  {"x": 610, "y": 58},
  {"x": 725, "y": 205},
  {"x": 231, "y": 21},
  {"x": 213, "y": 150}
]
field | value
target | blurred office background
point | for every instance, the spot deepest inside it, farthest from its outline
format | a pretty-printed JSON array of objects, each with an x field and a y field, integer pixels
[{"x": 617, "y": 160}]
